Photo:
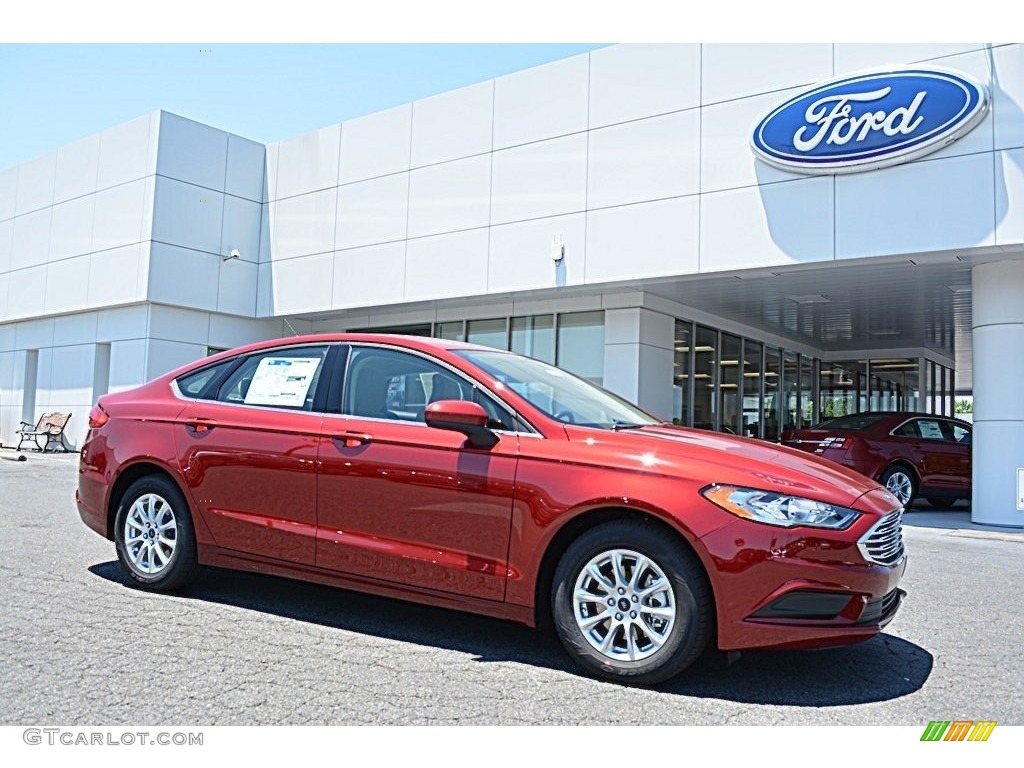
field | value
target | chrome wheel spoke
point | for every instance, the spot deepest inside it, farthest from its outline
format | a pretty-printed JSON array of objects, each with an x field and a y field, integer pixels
[
  {"x": 592, "y": 621},
  {"x": 655, "y": 586},
  {"x": 606, "y": 644},
  {"x": 638, "y": 568},
  {"x": 158, "y": 551},
  {"x": 620, "y": 574},
  {"x": 631, "y": 642},
  {"x": 599, "y": 577},
  {"x": 661, "y": 611}
]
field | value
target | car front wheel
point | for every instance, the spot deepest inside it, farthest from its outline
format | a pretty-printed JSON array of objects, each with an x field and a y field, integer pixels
[
  {"x": 631, "y": 604},
  {"x": 153, "y": 534}
]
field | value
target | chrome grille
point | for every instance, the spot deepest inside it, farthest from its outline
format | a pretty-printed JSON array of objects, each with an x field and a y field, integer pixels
[{"x": 883, "y": 543}]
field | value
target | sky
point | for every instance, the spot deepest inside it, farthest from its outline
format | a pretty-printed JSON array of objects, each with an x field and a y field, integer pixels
[{"x": 52, "y": 95}]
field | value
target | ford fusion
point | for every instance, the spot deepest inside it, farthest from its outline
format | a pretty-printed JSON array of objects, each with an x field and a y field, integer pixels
[{"x": 480, "y": 480}]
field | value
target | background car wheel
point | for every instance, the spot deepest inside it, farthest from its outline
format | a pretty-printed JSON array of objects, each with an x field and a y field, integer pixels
[
  {"x": 631, "y": 604},
  {"x": 941, "y": 503},
  {"x": 901, "y": 483},
  {"x": 153, "y": 534}
]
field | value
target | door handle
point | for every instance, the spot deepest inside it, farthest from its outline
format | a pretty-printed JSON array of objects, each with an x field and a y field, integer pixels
[
  {"x": 200, "y": 425},
  {"x": 354, "y": 439}
]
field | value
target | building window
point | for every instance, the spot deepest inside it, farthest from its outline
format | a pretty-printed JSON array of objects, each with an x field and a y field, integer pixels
[
  {"x": 581, "y": 344},
  {"x": 729, "y": 385},
  {"x": 808, "y": 414},
  {"x": 704, "y": 369},
  {"x": 534, "y": 337},
  {"x": 681, "y": 378},
  {"x": 752, "y": 401},
  {"x": 489, "y": 333},
  {"x": 772, "y": 392},
  {"x": 452, "y": 331}
]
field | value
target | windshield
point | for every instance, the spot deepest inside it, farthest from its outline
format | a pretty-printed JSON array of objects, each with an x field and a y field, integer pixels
[{"x": 559, "y": 394}]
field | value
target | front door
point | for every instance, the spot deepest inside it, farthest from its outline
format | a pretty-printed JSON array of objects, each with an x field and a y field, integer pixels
[
  {"x": 249, "y": 455},
  {"x": 406, "y": 503}
]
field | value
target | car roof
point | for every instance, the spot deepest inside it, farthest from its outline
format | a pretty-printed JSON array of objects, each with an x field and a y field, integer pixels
[
  {"x": 894, "y": 416},
  {"x": 421, "y": 343}
]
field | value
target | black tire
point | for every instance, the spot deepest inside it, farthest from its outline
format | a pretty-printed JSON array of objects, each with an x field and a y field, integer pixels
[
  {"x": 902, "y": 476},
  {"x": 181, "y": 565},
  {"x": 940, "y": 503},
  {"x": 686, "y": 637}
]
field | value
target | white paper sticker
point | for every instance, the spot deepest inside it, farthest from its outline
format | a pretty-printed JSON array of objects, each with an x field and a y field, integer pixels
[{"x": 282, "y": 381}]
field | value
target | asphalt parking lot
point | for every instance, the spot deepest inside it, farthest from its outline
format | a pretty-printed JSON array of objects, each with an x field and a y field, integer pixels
[{"x": 81, "y": 648}]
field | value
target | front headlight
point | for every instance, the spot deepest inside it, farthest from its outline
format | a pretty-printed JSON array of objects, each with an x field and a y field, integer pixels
[{"x": 778, "y": 508}]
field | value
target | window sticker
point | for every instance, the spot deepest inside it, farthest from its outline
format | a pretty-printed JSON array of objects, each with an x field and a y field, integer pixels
[
  {"x": 930, "y": 430},
  {"x": 282, "y": 381}
]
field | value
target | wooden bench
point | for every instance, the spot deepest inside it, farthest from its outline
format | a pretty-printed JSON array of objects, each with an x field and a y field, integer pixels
[{"x": 49, "y": 427}]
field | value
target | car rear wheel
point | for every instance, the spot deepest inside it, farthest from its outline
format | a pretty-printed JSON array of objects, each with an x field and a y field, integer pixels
[
  {"x": 154, "y": 537},
  {"x": 901, "y": 483},
  {"x": 631, "y": 604}
]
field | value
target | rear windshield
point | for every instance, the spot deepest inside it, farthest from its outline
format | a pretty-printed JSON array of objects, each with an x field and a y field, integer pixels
[{"x": 854, "y": 422}]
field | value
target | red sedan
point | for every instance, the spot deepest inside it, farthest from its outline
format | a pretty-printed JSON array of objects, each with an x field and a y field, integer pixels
[
  {"x": 911, "y": 454},
  {"x": 480, "y": 480}
]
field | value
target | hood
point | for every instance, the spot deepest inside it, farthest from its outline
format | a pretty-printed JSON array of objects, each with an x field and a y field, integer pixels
[{"x": 711, "y": 457}]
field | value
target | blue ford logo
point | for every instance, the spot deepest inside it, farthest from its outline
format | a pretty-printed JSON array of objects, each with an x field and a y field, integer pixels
[{"x": 870, "y": 120}]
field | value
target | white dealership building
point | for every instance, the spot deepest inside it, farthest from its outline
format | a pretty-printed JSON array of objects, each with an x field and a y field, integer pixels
[{"x": 606, "y": 212}]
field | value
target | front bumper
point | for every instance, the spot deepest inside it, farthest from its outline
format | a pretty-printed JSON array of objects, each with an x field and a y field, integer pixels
[{"x": 798, "y": 588}]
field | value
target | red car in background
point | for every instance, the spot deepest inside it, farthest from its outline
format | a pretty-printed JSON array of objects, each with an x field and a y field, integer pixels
[
  {"x": 476, "y": 479},
  {"x": 912, "y": 454}
]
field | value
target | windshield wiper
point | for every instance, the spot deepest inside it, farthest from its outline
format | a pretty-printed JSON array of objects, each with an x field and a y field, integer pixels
[{"x": 619, "y": 425}]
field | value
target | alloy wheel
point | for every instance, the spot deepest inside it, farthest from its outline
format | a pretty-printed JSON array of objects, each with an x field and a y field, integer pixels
[
  {"x": 901, "y": 486},
  {"x": 624, "y": 605},
  {"x": 150, "y": 534}
]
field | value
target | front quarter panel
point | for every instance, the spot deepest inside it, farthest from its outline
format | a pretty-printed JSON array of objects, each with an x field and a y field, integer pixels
[{"x": 559, "y": 480}]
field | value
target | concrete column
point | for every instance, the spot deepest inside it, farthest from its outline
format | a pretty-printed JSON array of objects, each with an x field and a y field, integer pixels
[
  {"x": 638, "y": 347},
  {"x": 998, "y": 451}
]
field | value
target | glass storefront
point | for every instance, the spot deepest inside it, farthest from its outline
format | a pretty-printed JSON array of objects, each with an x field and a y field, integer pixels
[
  {"x": 723, "y": 382},
  {"x": 571, "y": 340}
]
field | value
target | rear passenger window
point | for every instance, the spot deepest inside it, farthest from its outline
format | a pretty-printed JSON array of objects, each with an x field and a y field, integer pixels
[
  {"x": 960, "y": 434},
  {"x": 193, "y": 384},
  {"x": 284, "y": 378},
  {"x": 907, "y": 430}
]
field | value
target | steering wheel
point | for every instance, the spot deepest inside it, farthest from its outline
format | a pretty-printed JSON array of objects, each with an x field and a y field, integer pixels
[{"x": 566, "y": 417}]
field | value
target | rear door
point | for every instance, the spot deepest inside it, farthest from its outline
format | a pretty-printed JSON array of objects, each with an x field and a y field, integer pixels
[
  {"x": 959, "y": 434},
  {"x": 248, "y": 453},
  {"x": 936, "y": 458}
]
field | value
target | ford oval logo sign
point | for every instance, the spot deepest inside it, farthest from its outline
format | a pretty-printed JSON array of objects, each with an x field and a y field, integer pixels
[{"x": 870, "y": 120}]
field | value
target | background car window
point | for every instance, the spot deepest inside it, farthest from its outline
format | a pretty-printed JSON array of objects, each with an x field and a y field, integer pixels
[
  {"x": 387, "y": 384},
  {"x": 193, "y": 384},
  {"x": 284, "y": 378},
  {"x": 907, "y": 430},
  {"x": 958, "y": 433},
  {"x": 854, "y": 422},
  {"x": 930, "y": 429}
]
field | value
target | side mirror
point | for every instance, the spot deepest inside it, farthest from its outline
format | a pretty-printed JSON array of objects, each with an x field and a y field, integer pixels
[{"x": 461, "y": 416}]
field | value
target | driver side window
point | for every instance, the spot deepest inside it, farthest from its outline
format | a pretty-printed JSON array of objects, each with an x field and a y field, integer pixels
[{"x": 393, "y": 385}]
